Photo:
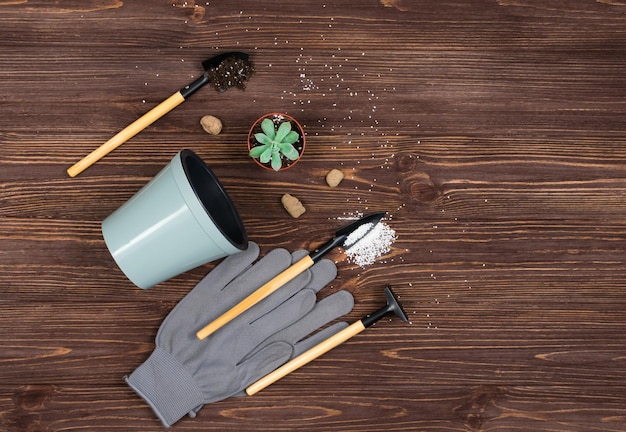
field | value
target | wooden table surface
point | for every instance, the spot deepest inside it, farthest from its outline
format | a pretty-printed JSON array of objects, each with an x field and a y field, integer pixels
[{"x": 492, "y": 132}]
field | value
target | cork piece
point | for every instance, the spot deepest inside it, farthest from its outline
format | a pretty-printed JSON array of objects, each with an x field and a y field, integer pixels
[
  {"x": 211, "y": 124},
  {"x": 334, "y": 177},
  {"x": 293, "y": 205}
]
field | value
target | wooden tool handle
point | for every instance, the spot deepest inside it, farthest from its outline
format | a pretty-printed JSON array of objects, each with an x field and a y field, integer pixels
[
  {"x": 306, "y": 357},
  {"x": 127, "y": 133},
  {"x": 271, "y": 286}
]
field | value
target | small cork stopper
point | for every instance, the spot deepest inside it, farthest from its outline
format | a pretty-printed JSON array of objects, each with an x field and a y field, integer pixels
[
  {"x": 334, "y": 177},
  {"x": 293, "y": 205},
  {"x": 211, "y": 124}
]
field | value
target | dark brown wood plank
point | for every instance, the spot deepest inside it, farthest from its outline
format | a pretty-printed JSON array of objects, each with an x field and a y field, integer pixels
[{"x": 493, "y": 134}]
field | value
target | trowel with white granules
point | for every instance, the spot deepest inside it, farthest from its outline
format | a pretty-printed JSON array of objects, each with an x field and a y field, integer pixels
[{"x": 347, "y": 237}]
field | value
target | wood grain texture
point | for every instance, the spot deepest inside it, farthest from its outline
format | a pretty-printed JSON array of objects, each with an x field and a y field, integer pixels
[{"x": 492, "y": 132}]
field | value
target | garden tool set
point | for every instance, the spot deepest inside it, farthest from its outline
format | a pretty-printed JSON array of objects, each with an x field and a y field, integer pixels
[
  {"x": 276, "y": 327},
  {"x": 248, "y": 322}
]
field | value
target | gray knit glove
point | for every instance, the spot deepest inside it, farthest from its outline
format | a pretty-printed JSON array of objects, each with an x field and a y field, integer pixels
[{"x": 183, "y": 373}]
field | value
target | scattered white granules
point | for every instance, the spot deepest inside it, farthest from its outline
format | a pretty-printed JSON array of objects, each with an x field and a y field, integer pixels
[
  {"x": 376, "y": 243},
  {"x": 357, "y": 234}
]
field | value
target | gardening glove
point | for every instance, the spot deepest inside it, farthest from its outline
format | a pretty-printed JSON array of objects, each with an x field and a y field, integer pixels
[{"x": 183, "y": 372}]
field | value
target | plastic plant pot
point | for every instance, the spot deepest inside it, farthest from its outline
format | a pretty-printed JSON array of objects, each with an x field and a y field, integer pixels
[{"x": 181, "y": 219}]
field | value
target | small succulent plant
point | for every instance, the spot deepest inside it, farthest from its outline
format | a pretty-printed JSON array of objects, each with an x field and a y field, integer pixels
[{"x": 275, "y": 143}]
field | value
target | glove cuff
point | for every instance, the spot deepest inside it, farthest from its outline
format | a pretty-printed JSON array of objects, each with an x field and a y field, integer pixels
[{"x": 166, "y": 386}]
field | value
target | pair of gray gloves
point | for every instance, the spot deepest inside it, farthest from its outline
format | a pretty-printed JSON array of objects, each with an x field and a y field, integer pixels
[{"x": 184, "y": 373}]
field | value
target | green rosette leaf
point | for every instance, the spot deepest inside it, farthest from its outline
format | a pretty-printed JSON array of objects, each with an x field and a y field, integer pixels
[{"x": 268, "y": 128}]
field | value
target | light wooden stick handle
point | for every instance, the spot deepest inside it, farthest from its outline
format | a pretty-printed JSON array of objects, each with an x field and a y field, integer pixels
[
  {"x": 127, "y": 133},
  {"x": 306, "y": 357},
  {"x": 271, "y": 286}
]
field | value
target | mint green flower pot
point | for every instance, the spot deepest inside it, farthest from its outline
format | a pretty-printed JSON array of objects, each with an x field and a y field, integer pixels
[{"x": 181, "y": 219}]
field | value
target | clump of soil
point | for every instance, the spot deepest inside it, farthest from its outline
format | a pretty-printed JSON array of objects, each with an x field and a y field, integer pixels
[{"x": 231, "y": 72}]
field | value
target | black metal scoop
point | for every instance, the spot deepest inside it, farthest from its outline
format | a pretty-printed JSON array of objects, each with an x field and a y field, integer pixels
[
  {"x": 226, "y": 70},
  {"x": 351, "y": 233},
  {"x": 231, "y": 69},
  {"x": 392, "y": 306}
]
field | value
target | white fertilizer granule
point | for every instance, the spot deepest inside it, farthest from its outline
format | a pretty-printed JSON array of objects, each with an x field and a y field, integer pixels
[
  {"x": 357, "y": 234},
  {"x": 376, "y": 243}
]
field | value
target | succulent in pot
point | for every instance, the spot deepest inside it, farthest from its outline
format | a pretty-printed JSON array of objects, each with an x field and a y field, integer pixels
[{"x": 276, "y": 141}]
